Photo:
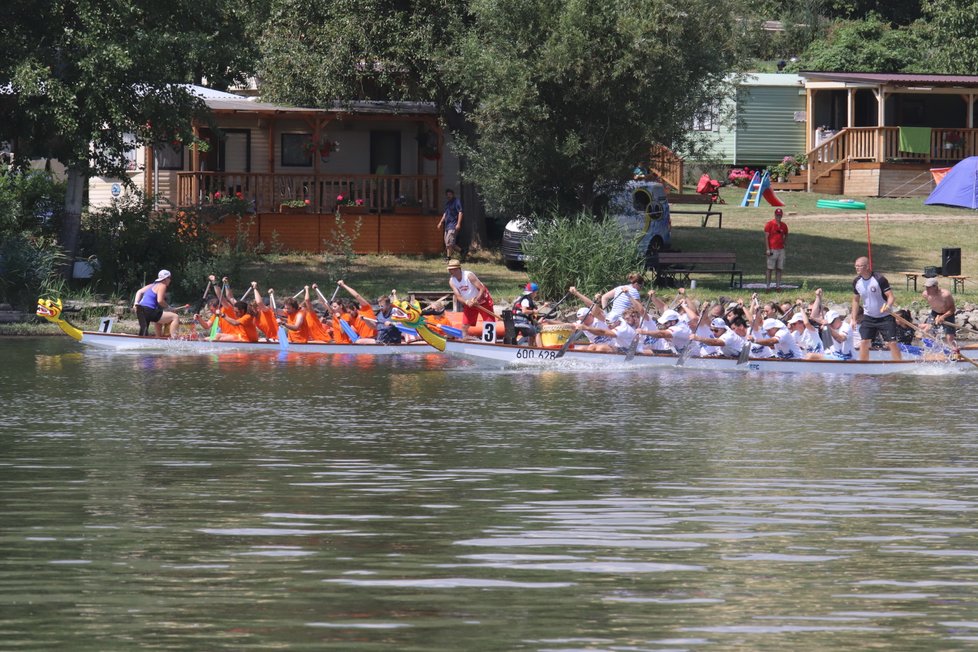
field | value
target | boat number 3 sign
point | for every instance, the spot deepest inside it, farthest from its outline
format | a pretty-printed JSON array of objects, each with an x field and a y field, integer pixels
[{"x": 489, "y": 331}]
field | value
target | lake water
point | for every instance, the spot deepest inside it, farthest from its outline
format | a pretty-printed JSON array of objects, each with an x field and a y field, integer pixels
[{"x": 419, "y": 503}]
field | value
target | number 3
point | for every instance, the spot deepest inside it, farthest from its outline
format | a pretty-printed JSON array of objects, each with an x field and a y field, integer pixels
[{"x": 489, "y": 332}]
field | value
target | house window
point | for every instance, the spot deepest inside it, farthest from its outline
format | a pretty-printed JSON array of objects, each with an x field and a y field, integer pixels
[
  {"x": 705, "y": 119},
  {"x": 129, "y": 153},
  {"x": 297, "y": 150},
  {"x": 169, "y": 156}
]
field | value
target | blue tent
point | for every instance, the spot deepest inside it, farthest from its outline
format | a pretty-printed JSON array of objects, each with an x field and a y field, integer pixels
[{"x": 959, "y": 187}]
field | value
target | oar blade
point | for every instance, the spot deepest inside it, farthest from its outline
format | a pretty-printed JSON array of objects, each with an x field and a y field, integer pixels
[
  {"x": 744, "y": 354},
  {"x": 567, "y": 344},
  {"x": 283, "y": 337},
  {"x": 632, "y": 349},
  {"x": 684, "y": 355}
]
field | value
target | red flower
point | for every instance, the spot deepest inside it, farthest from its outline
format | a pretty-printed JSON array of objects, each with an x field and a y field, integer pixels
[
  {"x": 308, "y": 202},
  {"x": 339, "y": 197},
  {"x": 239, "y": 195},
  {"x": 217, "y": 195}
]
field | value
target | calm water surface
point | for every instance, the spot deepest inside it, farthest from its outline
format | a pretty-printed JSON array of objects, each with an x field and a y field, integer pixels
[{"x": 266, "y": 502}]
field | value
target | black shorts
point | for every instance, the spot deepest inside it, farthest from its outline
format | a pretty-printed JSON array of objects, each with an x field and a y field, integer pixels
[
  {"x": 885, "y": 326},
  {"x": 147, "y": 316},
  {"x": 948, "y": 324}
]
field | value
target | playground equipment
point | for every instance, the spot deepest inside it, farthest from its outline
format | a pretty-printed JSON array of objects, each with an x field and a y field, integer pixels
[{"x": 760, "y": 186}]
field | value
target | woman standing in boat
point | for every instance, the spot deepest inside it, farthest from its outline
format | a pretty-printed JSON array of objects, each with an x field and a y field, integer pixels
[{"x": 151, "y": 306}]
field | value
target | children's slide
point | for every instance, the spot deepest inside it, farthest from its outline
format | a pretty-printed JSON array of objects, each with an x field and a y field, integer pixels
[{"x": 771, "y": 198}]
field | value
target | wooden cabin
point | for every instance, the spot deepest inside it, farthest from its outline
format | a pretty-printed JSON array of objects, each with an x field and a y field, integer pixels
[{"x": 388, "y": 158}]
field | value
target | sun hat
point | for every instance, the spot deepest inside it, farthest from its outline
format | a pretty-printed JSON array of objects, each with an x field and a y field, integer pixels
[
  {"x": 532, "y": 287},
  {"x": 772, "y": 323},
  {"x": 163, "y": 275},
  {"x": 733, "y": 305},
  {"x": 454, "y": 264},
  {"x": 583, "y": 312},
  {"x": 719, "y": 323},
  {"x": 797, "y": 317},
  {"x": 930, "y": 282},
  {"x": 668, "y": 316},
  {"x": 831, "y": 316}
]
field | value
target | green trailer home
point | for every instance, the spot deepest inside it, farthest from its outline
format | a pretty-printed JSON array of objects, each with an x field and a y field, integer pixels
[{"x": 759, "y": 124}]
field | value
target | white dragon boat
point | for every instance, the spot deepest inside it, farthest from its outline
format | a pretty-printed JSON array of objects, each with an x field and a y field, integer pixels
[{"x": 504, "y": 355}]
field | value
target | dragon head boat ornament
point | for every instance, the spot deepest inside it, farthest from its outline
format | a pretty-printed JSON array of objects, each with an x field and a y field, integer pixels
[
  {"x": 51, "y": 310},
  {"x": 409, "y": 315}
]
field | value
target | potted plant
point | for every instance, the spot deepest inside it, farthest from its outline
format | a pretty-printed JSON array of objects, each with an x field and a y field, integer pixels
[
  {"x": 404, "y": 205},
  {"x": 294, "y": 206},
  {"x": 350, "y": 206},
  {"x": 220, "y": 205},
  {"x": 741, "y": 177}
]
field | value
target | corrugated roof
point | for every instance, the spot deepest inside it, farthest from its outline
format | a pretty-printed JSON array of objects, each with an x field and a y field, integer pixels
[{"x": 895, "y": 79}]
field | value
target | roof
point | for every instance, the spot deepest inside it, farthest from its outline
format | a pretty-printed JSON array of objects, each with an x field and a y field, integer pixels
[
  {"x": 892, "y": 79},
  {"x": 236, "y": 104},
  {"x": 769, "y": 79}
]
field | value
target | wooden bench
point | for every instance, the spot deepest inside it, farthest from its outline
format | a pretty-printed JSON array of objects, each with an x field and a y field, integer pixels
[
  {"x": 428, "y": 297},
  {"x": 676, "y": 266},
  {"x": 957, "y": 281},
  {"x": 704, "y": 215}
]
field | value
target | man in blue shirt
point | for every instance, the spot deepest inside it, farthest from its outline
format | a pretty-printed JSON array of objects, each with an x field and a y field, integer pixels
[{"x": 451, "y": 220}]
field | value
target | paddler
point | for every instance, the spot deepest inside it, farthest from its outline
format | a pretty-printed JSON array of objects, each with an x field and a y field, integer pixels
[
  {"x": 151, "y": 307},
  {"x": 471, "y": 293}
]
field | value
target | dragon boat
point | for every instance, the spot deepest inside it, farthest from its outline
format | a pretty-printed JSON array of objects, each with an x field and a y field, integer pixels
[
  {"x": 407, "y": 316},
  {"x": 504, "y": 355}
]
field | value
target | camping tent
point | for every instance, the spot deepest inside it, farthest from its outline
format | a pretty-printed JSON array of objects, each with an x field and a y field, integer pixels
[{"x": 959, "y": 187}]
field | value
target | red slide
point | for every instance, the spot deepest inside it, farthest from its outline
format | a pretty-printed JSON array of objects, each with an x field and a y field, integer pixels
[{"x": 771, "y": 198}]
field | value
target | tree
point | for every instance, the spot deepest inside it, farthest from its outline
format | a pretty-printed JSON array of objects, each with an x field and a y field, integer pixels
[
  {"x": 953, "y": 36},
  {"x": 89, "y": 80},
  {"x": 869, "y": 45},
  {"x": 567, "y": 94}
]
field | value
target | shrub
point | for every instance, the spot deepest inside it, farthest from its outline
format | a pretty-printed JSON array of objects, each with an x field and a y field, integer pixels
[
  {"x": 591, "y": 253},
  {"x": 29, "y": 267},
  {"x": 338, "y": 248},
  {"x": 31, "y": 201}
]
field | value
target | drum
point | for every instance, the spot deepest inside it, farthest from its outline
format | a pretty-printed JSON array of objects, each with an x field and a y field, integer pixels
[{"x": 555, "y": 334}]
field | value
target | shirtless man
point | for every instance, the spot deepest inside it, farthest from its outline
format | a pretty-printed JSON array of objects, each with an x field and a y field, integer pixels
[{"x": 942, "y": 310}]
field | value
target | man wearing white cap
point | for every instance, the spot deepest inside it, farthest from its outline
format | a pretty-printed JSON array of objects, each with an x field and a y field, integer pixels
[
  {"x": 673, "y": 334},
  {"x": 805, "y": 334},
  {"x": 942, "y": 310},
  {"x": 780, "y": 339},
  {"x": 151, "y": 306},
  {"x": 725, "y": 340},
  {"x": 841, "y": 333}
]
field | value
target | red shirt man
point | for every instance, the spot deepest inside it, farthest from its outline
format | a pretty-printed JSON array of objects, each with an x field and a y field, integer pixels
[{"x": 775, "y": 237}]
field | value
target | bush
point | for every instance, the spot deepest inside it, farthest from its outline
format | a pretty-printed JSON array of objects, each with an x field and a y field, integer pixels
[
  {"x": 29, "y": 267},
  {"x": 30, "y": 201},
  {"x": 581, "y": 250}
]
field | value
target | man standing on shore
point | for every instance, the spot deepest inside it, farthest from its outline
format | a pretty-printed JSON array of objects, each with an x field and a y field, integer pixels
[
  {"x": 451, "y": 220},
  {"x": 877, "y": 300},
  {"x": 775, "y": 238}
]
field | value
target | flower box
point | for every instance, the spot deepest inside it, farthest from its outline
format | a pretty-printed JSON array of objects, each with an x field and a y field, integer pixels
[
  {"x": 353, "y": 210},
  {"x": 292, "y": 210},
  {"x": 407, "y": 210}
]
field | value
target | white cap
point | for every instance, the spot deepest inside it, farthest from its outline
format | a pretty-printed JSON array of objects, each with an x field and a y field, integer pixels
[
  {"x": 772, "y": 323},
  {"x": 733, "y": 305},
  {"x": 583, "y": 312},
  {"x": 719, "y": 323},
  {"x": 797, "y": 317},
  {"x": 163, "y": 275},
  {"x": 931, "y": 282},
  {"x": 831, "y": 316},
  {"x": 668, "y": 316}
]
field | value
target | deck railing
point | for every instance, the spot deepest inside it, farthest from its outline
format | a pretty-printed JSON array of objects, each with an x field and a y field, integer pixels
[
  {"x": 882, "y": 144},
  {"x": 268, "y": 190},
  {"x": 666, "y": 165}
]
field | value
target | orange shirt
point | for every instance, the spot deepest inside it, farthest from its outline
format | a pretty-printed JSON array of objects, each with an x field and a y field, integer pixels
[
  {"x": 339, "y": 336},
  {"x": 363, "y": 327},
  {"x": 230, "y": 329},
  {"x": 267, "y": 323},
  {"x": 300, "y": 336},
  {"x": 318, "y": 331},
  {"x": 249, "y": 328}
]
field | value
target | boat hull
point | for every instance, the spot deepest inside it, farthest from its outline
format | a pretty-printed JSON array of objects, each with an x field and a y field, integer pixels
[
  {"x": 507, "y": 355},
  {"x": 126, "y": 342}
]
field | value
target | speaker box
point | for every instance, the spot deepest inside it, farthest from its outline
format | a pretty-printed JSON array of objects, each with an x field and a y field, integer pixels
[{"x": 951, "y": 261}]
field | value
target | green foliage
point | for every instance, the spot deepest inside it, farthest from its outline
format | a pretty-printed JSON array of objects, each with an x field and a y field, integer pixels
[
  {"x": 952, "y": 36},
  {"x": 29, "y": 201},
  {"x": 131, "y": 243},
  {"x": 578, "y": 250},
  {"x": 864, "y": 45},
  {"x": 338, "y": 248},
  {"x": 29, "y": 267},
  {"x": 565, "y": 94}
]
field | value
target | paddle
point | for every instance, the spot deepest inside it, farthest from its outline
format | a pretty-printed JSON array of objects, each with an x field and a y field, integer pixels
[
  {"x": 633, "y": 346},
  {"x": 283, "y": 337},
  {"x": 573, "y": 336},
  {"x": 924, "y": 334},
  {"x": 687, "y": 351},
  {"x": 550, "y": 314}
]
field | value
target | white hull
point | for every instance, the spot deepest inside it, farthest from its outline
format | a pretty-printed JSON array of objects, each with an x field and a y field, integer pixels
[
  {"x": 126, "y": 342},
  {"x": 508, "y": 355}
]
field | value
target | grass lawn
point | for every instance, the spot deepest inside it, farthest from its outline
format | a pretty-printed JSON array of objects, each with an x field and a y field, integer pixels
[{"x": 822, "y": 244}]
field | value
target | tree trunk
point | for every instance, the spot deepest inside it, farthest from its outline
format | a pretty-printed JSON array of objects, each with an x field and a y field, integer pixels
[{"x": 71, "y": 228}]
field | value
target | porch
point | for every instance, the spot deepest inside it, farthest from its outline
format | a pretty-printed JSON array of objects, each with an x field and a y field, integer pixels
[{"x": 267, "y": 191}]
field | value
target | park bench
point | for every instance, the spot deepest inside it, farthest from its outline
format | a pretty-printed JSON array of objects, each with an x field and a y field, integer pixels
[
  {"x": 674, "y": 267},
  {"x": 957, "y": 280}
]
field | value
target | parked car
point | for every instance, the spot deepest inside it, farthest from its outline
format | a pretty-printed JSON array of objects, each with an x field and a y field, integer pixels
[{"x": 641, "y": 207}]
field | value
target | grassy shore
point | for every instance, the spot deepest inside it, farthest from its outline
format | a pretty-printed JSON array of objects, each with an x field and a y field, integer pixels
[{"x": 906, "y": 236}]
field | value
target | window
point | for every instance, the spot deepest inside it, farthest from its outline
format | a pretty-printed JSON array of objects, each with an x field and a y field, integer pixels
[
  {"x": 297, "y": 150},
  {"x": 169, "y": 156},
  {"x": 129, "y": 153},
  {"x": 705, "y": 119}
]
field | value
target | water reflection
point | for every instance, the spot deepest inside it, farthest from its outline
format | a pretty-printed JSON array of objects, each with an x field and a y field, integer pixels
[{"x": 241, "y": 501}]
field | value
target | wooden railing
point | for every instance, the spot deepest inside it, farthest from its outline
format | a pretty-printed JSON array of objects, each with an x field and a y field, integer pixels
[
  {"x": 267, "y": 191},
  {"x": 882, "y": 144},
  {"x": 667, "y": 166}
]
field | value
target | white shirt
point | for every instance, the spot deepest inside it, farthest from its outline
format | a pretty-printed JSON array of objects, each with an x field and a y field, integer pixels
[
  {"x": 464, "y": 286},
  {"x": 808, "y": 341},
  {"x": 844, "y": 348},
  {"x": 786, "y": 346},
  {"x": 732, "y": 344},
  {"x": 758, "y": 351},
  {"x": 624, "y": 334},
  {"x": 872, "y": 291},
  {"x": 623, "y": 297}
]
